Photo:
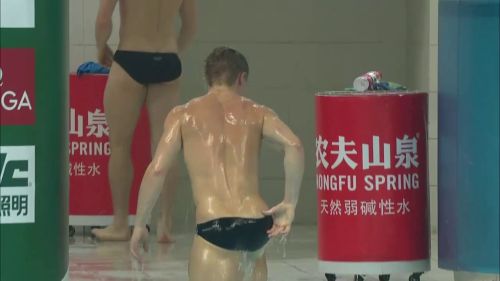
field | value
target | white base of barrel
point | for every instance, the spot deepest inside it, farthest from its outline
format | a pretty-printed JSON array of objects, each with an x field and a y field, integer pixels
[{"x": 374, "y": 267}]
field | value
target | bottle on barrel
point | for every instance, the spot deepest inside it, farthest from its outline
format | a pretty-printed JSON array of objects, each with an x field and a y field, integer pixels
[{"x": 367, "y": 81}]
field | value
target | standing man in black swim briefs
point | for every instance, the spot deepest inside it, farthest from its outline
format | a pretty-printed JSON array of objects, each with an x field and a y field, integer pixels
[
  {"x": 220, "y": 135},
  {"x": 144, "y": 70}
]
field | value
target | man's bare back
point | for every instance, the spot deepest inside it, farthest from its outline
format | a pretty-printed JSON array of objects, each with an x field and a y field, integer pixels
[
  {"x": 220, "y": 135},
  {"x": 148, "y": 26}
]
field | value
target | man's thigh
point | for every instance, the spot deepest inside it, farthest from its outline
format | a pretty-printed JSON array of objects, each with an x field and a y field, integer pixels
[{"x": 211, "y": 263}]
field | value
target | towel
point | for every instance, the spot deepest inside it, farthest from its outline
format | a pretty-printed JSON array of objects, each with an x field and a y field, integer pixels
[{"x": 91, "y": 68}]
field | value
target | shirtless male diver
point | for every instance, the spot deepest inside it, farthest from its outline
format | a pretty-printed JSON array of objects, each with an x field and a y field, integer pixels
[
  {"x": 144, "y": 70},
  {"x": 221, "y": 134}
]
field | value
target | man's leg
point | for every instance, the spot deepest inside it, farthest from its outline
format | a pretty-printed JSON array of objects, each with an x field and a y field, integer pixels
[
  {"x": 211, "y": 263},
  {"x": 123, "y": 100},
  {"x": 260, "y": 272},
  {"x": 161, "y": 98}
]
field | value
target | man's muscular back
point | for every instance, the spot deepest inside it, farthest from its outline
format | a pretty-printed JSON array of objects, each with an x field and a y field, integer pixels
[
  {"x": 221, "y": 137},
  {"x": 148, "y": 25}
]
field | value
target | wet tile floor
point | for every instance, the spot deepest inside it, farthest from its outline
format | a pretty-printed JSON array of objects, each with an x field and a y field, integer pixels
[{"x": 293, "y": 261}]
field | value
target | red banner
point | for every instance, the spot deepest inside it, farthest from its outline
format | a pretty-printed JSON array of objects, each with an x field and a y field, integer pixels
[
  {"x": 371, "y": 161},
  {"x": 17, "y": 86},
  {"x": 89, "y": 150}
]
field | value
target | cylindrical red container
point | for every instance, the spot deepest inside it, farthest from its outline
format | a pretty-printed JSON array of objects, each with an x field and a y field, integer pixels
[
  {"x": 372, "y": 181},
  {"x": 90, "y": 200}
]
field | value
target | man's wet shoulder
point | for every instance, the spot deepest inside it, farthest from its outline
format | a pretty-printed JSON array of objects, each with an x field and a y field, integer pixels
[
  {"x": 252, "y": 105},
  {"x": 193, "y": 103}
]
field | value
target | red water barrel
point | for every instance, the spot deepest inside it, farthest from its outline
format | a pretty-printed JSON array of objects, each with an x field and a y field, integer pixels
[
  {"x": 90, "y": 201},
  {"x": 372, "y": 182}
]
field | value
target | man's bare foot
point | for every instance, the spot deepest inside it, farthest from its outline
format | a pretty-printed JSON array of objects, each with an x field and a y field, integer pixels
[
  {"x": 163, "y": 233},
  {"x": 112, "y": 233}
]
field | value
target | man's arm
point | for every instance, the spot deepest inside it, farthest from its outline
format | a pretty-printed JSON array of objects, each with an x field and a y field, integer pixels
[
  {"x": 103, "y": 29},
  {"x": 277, "y": 131},
  {"x": 166, "y": 153},
  {"x": 152, "y": 182},
  {"x": 189, "y": 14}
]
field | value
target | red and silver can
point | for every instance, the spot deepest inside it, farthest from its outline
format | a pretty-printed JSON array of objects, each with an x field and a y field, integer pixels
[{"x": 367, "y": 81}]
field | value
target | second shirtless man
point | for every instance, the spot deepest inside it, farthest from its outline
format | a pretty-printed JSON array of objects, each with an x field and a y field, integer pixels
[{"x": 145, "y": 70}]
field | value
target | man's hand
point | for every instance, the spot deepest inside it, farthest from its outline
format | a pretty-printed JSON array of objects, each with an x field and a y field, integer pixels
[
  {"x": 283, "y": 215},
  {"x": 105, "y": 56},
  {"x": 139, "y": 240}
]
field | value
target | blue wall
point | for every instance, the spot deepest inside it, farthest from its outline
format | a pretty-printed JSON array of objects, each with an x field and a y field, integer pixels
[{"x": 469, "y": 135}]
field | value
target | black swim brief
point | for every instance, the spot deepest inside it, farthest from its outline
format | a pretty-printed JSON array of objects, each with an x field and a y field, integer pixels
[
  {"x": 237, "y": 234},
  {"x": 149, "y": 68}
]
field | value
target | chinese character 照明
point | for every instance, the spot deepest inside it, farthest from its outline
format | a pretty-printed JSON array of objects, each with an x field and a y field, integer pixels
[
  {"x": 5, "y": 206},
  {"x": 20, "y": 204}
]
